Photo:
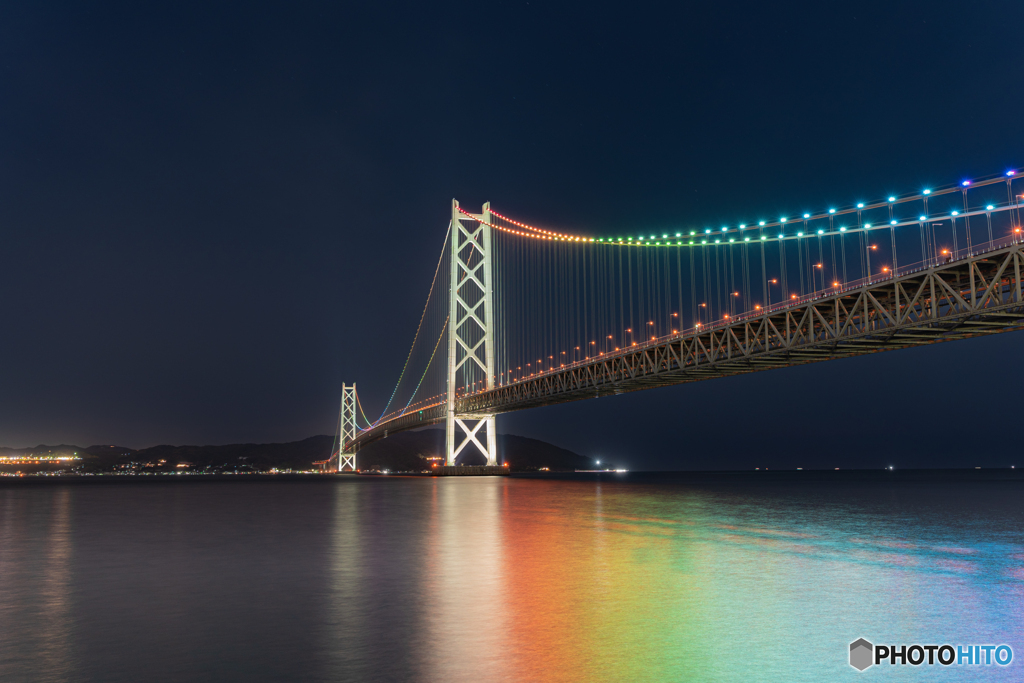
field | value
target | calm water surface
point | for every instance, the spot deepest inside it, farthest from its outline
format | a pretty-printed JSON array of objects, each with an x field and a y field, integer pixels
[{"x": 503, "y": 579}]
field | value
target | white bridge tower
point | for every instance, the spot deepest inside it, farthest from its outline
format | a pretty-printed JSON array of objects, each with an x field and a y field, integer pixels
[
  {"x": 347, "y": 428},
  {"x": 470, "y": 333}
]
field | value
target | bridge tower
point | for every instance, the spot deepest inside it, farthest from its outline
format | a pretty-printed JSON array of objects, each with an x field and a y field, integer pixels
[
  {"x": 347, "y": 428},
  {"x": 470, "y": 333}
]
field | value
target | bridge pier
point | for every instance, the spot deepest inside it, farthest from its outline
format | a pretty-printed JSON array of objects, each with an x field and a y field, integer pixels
[{"x": 470, "y": 471}]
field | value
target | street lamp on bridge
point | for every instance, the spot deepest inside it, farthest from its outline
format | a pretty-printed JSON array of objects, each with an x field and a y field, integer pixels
[
  {"x": 871, "y": 248},
  {"x": 773, "y": 281}
]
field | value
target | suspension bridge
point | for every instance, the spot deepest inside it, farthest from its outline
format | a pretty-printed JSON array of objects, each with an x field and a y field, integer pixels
[{"x": 519, "y": 316}]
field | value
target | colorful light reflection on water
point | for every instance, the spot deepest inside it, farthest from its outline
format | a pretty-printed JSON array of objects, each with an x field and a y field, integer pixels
[{"x": 503, "y": 579}]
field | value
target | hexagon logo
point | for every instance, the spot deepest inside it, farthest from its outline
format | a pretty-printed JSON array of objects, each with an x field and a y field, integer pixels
[{"x": 861, "y": 654}]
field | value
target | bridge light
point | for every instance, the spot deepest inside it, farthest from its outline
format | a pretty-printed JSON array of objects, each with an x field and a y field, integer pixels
[
  {"x": 966, "y": 183},
  {"x": 746, "y": 239},
  {"x": 1009, "y": 173},
  {"x": 867, "y": 225},
  {"x": 679, "y": 234},
  {"x": 725, "y": 229},
  {"x": 781, "y": 236},
  {"x": 989, "y": 207},
  {"x": 717, "y": 241},
  {"x": 842, "y": 229},
  {"x": 764, "y": 237},
  {"x": 742, "y": 225},
  {"x": 807, "y": 215},
  {"x": 922, "y": 218},
  {"x": 860, "y": 205},
  {"x": 703, "y": 241},
  {"x": 782, "y": 220},
  {"x": 893, "y": 222},
  {"x": 892, "y": 199},
  {"x": 761, "y": 223},
  {"x": 831, "y": 210},
  {"x": 692, "y": 233},
  {"x": 821, "y": 232},
  {"x": 799, "y": 234},
  {"x": 707, "y": 231},
  {"x": 927, "y": 192},
  {"x": 955, "y": 213}
]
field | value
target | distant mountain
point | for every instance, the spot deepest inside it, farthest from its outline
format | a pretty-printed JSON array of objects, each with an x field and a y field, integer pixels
[{"x": 402, "y": 452}]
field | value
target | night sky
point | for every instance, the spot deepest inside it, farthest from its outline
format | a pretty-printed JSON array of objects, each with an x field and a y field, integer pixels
[{"x": 213, "y": 214}]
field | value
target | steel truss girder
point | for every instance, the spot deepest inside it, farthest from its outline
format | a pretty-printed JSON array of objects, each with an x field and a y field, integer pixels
[{"x": 977, "y": 295}]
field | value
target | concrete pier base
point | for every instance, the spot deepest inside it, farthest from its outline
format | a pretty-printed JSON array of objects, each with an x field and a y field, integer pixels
[{"x": 470, "y": 471}]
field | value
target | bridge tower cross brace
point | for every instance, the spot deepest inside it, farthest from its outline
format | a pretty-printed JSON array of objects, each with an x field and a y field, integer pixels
[
  {"x": 470, "y": 333},
  {"x": 347, "y": 421}
]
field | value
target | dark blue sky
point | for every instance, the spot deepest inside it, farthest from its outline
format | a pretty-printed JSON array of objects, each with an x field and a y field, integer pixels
[{"x": 212, "y": 216}]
